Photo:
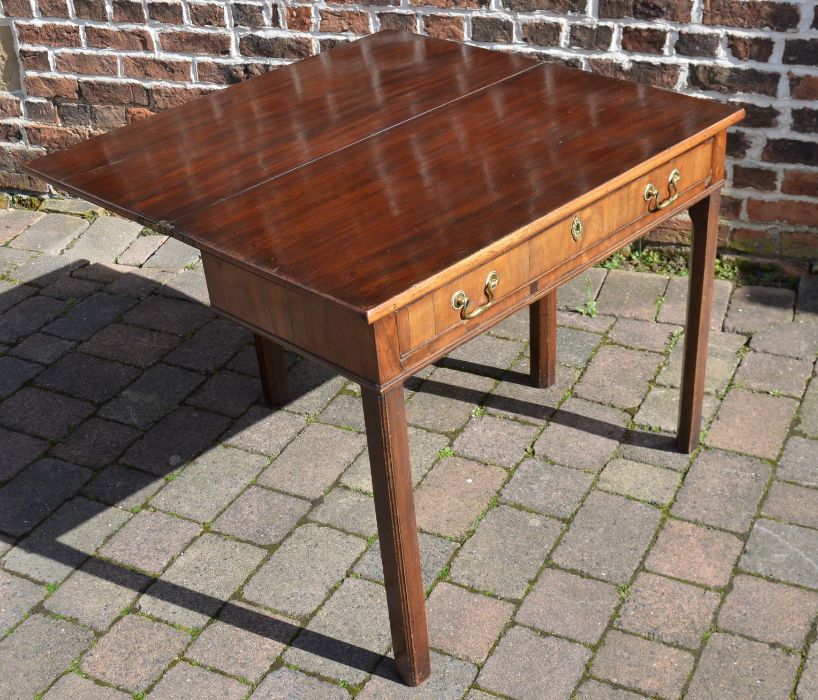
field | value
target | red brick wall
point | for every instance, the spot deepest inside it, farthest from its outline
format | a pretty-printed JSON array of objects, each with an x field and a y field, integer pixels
[{"x": 92, "y": 65}]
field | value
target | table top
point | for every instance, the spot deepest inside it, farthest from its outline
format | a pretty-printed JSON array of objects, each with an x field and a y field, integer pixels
[{"x": 367, "y": 173}]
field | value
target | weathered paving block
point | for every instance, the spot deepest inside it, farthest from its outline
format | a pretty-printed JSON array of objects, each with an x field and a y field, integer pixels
[
  {"x": 27, "y": 316},
  {"x": 494, "y": 440},
  {"x": 344, "y": 411},
  {"x": 43, "y": 413},
  {"x": 105, "y": 239},
  {"x": 96, "y": 443},
  {"x": 642, "y": 481},
  {"x": 795, "y": 504},
  {"x": 569, "y": 606},
  {"x": 660, "y": 409},
  {"x": 18, "y": 596},
  {"x": 505, "y": 552},
  {"x": 808, "y": 683},
  {"x": 798, "y": 340},
  {"x": 574, "y": 347},
  {"x": 122, "y": 487},
  {"x": 774, "y": 374},
  {"x": 347, "y": 510},
  {"x": 172, "y": 254},
  {"x": 228, "y": 393},
  {"x": 806, "y": 304},
  {"x": 140, "y": 250},
  {"x": 18, "y": 451},
  {"x": 577, "y": 291},
  {"x": 631, "y": 294},
  {"x": 14, "y": 221},
  {"x": 14, "y": 373},
  {"x": 130, "y": 344},
  {"x": 264, "y": 430},
  {"x": 722, "y": 359},
  {"x": 594, "y": 690},
  {"x": 490, "y": 353},
  {"x": 674, "y": 308},
  {"x": 186, "y": 680},
  {"x": 50, "y": 234},
  {"x": 514, "y": 397},
  {"x": 642, "y": 335},
  {"x": 581, "y": 322},
  {"x": 435, "y": 552},
  {"x": 547, "y": 488},
  {"x": 169, "y": 315},
  {"x": 450, "y": 678},
  {"x": 187, "y": 284},
  {"x": 286, "y": 683},
  {"x": 524, "y": 663},
  {"x": 72, "y": 685},
  {"x": 261, "y": 516},
  {"x": 138, "y": 284},
  {"x": 71, "y": 206},
  {"x": 799, "y": 463},
  {"x": 756, "y": 308},
  {"x": 86, "y": 377},
  {"x": 809, "y": 411},
  {"x": 304, "y": 569},
  {"x": 211, "y": 346},
  {"x": 605, "y": 382},
  {"x": 89, "y": 316},
  {"x": 781, "y": 551},
  {"x": 41, "y": 348},
  {"x": 311, "y": 386},
  {"x": 446, "y": 399}
]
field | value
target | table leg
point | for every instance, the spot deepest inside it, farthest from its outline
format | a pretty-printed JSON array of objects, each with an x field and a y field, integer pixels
[
  {"x": 272, "y": 367},
  {"x": 387, "y": 438},
  {"x": 543, "y": 340},
  {"x": 705, "y": 217}
]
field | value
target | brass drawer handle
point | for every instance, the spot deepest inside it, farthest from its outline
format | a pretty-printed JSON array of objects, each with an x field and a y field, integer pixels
[
  {"x": 652, "y": 193},
  {"x": 460, "y": 301}
]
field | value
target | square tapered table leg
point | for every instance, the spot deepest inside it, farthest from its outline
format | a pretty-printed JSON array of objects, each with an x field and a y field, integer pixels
[
  {"x": 543, "y": 340},
  {"x": 272, "y": 366}
]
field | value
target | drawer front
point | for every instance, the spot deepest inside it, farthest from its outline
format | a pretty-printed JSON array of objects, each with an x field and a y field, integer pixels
[{"x": 433, "y": 321}]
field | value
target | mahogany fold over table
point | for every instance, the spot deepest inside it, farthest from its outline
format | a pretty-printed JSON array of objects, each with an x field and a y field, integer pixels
[{"x": 377, "y": 205}]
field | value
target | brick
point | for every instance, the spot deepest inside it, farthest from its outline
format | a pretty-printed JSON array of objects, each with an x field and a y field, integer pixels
[
  {"x": 505, "y": 552},
  {"x": 782, "y": 551},
  {"x": 156, "y": 69},
  {"x": 778, "y": 16},
  {"x": 288, "y": 683},
  {"x": 524, "y": 663},
  {"x": 790, "y": 151},
  {"x": 339, "y": 21},
  {"x": 119, "y": 39},
  {"x": 668, "y": 611},
  {"x": 207, "y": 14},
  {"x": 19, "y": 596},
  {"x": 663, "y": 75},
  {"x": 801, "y": 52},
  {"x": 643, "y": 39},
  {"x": 547, "y": 488},
  {"x": 247, "y": 15},
  {"x": 24, "y": 674},
  {"x": 733, "y": 668},
  {"x": 607, "y": 537},
  {"x": 465, "y": 624},
  {"x": 275, "y": 46},
  {"x": 56, "y": 35},
  {"x": 435, "y": 553},
  {"x": 211, "y": 43},
  {"x": 697, "y": 44},
  {"x": 791, "y": 211},
  {"x": 86, "y": 63},
  {"x": 798, "y": 462},
  {"x": 753, "y": 48},
  {"x": 803, "y": 87},
  {"x": 91, "y": 9},
  {"x": 694, "y": 553},
  {"x": 758, "y": 116},
  {"x": 591, "y": 37},
  {"x": 18, "y": 8},
  {"x": 128, "y": 11},
  {"x": 454, "y": 493},
  {"x": 443, "y": 27},
  {"x": 541, "y": 33},
  {"x": 731, "y": 80},
  {"x": 761, "y": 179},
  {"x": 166, "y": 97},
  {"x": 491, "y": 29},
  {"x": 803, "y": 182},
  {"x": 304, "y": 569},
  {"x": 134, "y": 652},
  {"x": 642, "y": 481},
  {"x": 395, "y": 21}
]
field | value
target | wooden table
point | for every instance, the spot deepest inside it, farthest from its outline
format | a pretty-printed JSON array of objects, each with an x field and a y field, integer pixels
[{"x": 377, "y": 205}]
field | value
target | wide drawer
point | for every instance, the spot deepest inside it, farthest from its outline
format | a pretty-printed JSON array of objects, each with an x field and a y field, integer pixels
[{"x": 439, "y": 318}]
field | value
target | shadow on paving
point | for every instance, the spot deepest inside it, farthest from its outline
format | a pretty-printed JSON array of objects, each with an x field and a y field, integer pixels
[{"x": 24, "y": 496}]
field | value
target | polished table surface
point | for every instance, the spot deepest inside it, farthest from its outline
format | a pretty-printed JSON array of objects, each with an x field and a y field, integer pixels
[{"x": 378, "y": 205}]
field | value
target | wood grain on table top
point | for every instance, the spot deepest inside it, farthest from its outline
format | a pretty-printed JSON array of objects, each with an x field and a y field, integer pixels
[{"x": 369, "y": 171}]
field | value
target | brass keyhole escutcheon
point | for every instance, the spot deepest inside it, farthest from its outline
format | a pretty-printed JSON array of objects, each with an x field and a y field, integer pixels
[
  {"x": 576, "y": 228},
  {"x": 460, "y": 301}
]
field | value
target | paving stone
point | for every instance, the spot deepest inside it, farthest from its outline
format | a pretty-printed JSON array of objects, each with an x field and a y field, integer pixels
[
  {"x": 594, "y": 690},
  {"x": 96, "y": 443},
  {"x": 606, "y": 380},
  {"x": 631, "y": 294},
  {"x": 722, "y": 490},
  {"x": 264, "y": 430},
  {"x": 793, "y": 503},
  {"x": 150, "y": 540},
  {"x": 14, "y": 221},
  {"x": 722, "y": 359},
  {"x": 515, "y": 398},
  {"x": 97, "y": 593},
  {"x": 27, "y": 316},
  {"x": 243, "y": 642},
  {"x": 12, "y": 293},
  {"x": 514, "y": 327},
  {"x": 345, "y": 411},
  {"x": 806, "y": 304},
  {"x": 18, "y": 451},
  {"x": 547, "y": 488},
  {"x": 446, "y": 399},
  {"x": 505, "y": 552},
  {"x": 89, "y": 316},
  {"x": 72, "y": 686},
  {"x": 169, "y": 315},
  {"x": 138, "y": 284},
  {"x": 450, "y": 678},
  {"x": 122, "y": 487},
  {"x": 211, "y": 346},
  {"x": 642, "y": 335},
  {"x": 569, "y": 606},
  {"x": 313, "y": 461},
  {"x": 41, "y": 348},
  {"x": 186, "y": 680},
  {"x": 573, "y": 294},
  {"x": 205, "y": 487},
  {"x": 575, "y": 347},
  {"x": 177, "y": 438},
  {"x": 582, "y": 435},
  {"x": 311, "y": 387},
  {"x": 133, "y": 654},
  {"x": 351, "y": 632},
  {"x": 61, "y": 543},
  {"x": 668, "y": 611},
  {"x": 40, "y": 270},
  {"x": 14, "y": 373},
  {"x": 463, "y": 623},
  {"x": 808, "y": 683},
  {"x": 172, "y": 254},
  {"x": 809, "y": 411},
  {"x": 130, "y": 344},
  {"x": 105, "y": 239},
  {"x": 70, "y": 288},
  {"x": 799, "y": 340},
  {"x": 489, "y": 354},
  {"x": 11, "y": 260},
  {"x": 674, "y": 310},
  {"x": 581, "y": 322},
  {"x": 71, "y": 206},
  {"x": 756, "y": 308},
  {"x": 228, "y": 393},
  {"x": 50, "y": 234},
  {"x": 424, "y": 447},
  {"x": 530, "y": 667},
  {"x": 287, "y": 684},
  {"x": 347, "y": 510},
  {"x": 608, "y": 537},
  {"x": 770, "y": 612},
  {"x": 647, "y": 666},
  {"x": 781, "y": 551},
  {"x": 261, "y": 516},
  {"x": 642, "y": 481},
  {"x": 304, "y": 569},
  {"x": 694, "y": 553},
  {"x": 654, "y": 448},
  {"x": 141, "y": 249},
  {"x": 37, "y": 652},
  {"x": 660, "y": 409},
  {"x": 772, "y": 373},
  {"x": 756, "y": 424},
  {"x": 86, "y": 377},
  {"x": 194, "y": 586},
  {"x": 188, "y": 284},
  {"x": 732, "y": 668},
  {"x": 454, "y": 493},
  {"x": 17, "y": 597},
  {"x": 102, "y": 273},
  {"x": 798, "y": 463},
  {"x": 36, "y": 491},
  {"x": 435, "y": 553},
  {"x": 494, "y": 440}
]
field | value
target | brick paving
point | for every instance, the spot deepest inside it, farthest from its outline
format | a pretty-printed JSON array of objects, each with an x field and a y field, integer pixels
[{"x": 163, "y": 534}]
